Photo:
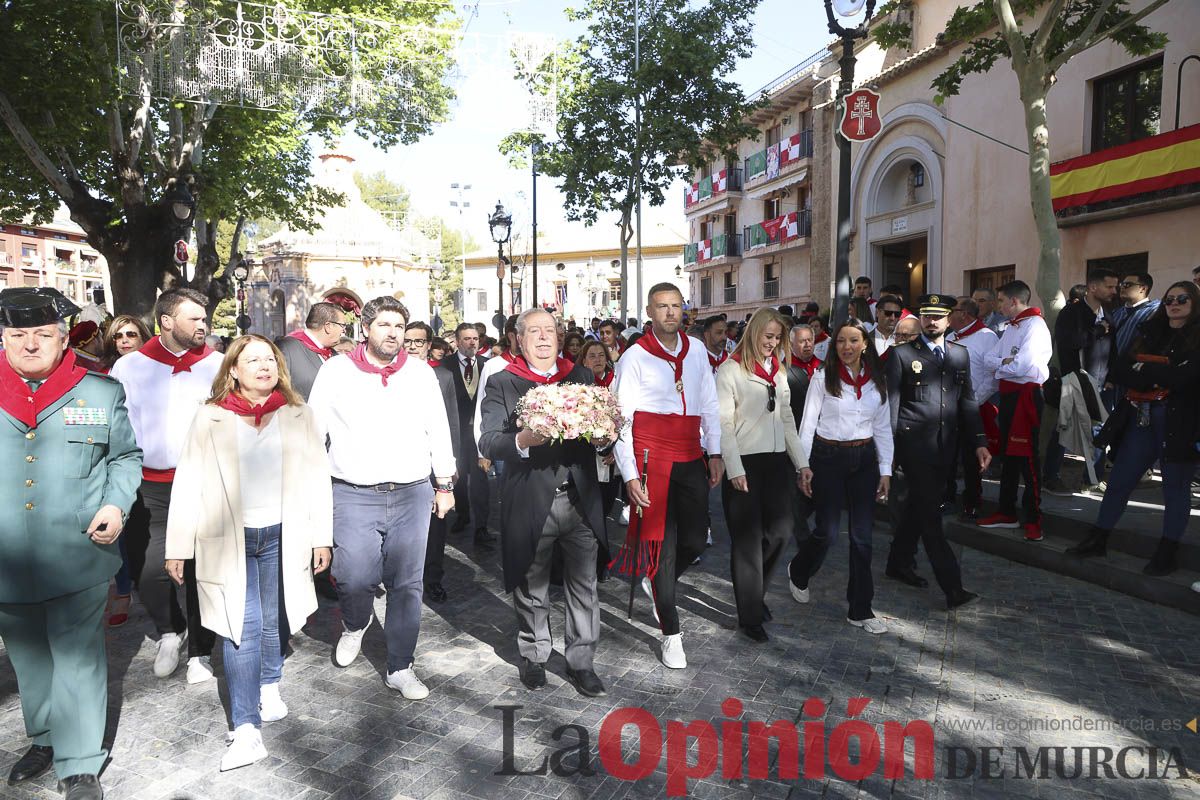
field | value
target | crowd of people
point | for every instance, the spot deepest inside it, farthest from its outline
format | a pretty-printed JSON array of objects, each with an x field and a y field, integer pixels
[{"x": 230, "y": 482}]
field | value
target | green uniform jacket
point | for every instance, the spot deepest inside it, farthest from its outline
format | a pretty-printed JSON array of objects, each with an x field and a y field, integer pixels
[{"x": 53, "y": 480}]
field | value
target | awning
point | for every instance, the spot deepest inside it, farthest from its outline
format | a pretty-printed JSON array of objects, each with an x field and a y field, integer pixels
[{"x": 759, "y": 192}]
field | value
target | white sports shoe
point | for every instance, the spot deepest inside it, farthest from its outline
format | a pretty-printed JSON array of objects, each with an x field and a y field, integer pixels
[
  {"x": 871, "y": 625},
  {"x": 271, "y": 707},
  {"x": 1196, "y": 586},
  {"x": 166, "y": 660},
  {"x": 798, "y": 594},
  {"x": 672, "y": 652},
  {"x": 406, "y": 682},
  {"x": 199, "y": 669},
  {"x": 349, "y": 645},
  {"x": 648, "y": 588},
  {"x": 246, "y": 748}
]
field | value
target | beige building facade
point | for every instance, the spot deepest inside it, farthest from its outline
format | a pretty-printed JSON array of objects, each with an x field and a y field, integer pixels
[{"x": 54, "y": 254}]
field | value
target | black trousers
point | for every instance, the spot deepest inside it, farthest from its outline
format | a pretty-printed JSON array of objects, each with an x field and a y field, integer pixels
[
  {"x": 1014, "y": 469},
  {"x": 683, "y": 537},
  {"x": 471, "y": 488},
  {"x": 759, "y": 521},
  {"x": 802, "y": 509},
  {"x": 921, "y": 519},
  {"x": 972, "y": 494}
]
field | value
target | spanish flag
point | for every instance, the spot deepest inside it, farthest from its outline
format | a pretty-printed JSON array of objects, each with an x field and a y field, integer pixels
[{"x": 1147, "y": 165}]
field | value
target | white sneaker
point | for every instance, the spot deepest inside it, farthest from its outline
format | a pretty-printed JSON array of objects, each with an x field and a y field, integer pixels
[
  {"x": 798, "y": 594},
  {"x": 649, "y": 590},
  {"x": 708, "y": 538},
  {"x": 625, "y": 514},
  {"x": 246, "y": 748},
  {"x": 1196, "y": 586},
  {"x": 672, "y": 652},
  {"x": 166, "y": 660},
  {"x": 871, "y": 625},
  {"x": 271, "y": 707},
  {"x": 406, "y": 682},
  {"x": 349, "y": 645},
  {"x": 199, "y": 669}
]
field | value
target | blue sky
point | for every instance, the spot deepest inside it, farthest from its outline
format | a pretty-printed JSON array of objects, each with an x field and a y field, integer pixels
[{"x": 464, "y": 149}]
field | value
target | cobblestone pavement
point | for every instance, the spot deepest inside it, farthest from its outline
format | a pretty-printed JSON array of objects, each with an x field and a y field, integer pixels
[{"x": 1035, "y": 650}]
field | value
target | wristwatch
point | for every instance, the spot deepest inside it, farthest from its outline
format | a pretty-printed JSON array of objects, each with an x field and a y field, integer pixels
[{"x": 448, "y": 486}]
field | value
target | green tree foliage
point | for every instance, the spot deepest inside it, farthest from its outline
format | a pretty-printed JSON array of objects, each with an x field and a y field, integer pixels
[
  {"x": 71, "y": 135},
  {"x": 384, "y": 195},
  {"x": 691, "y": 111},
  {"x": 1037, "y": 38}
]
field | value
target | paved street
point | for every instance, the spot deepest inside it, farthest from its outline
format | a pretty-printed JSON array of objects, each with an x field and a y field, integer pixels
[{"x": 1035, "y": 650}]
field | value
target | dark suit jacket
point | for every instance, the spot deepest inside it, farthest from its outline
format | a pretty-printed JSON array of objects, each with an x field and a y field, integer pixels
[
  {"x": 302, "y": 363},
  {"x": 930, "y": 402},
  {"x": 798, "y": 383},
  {"x": 529, "y": 483},
  {"x": 446, "y": 383},
  {"x": 466, "y": 402}
]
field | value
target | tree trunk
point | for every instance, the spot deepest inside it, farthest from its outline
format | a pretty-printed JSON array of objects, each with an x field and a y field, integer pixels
[
  {"x": 626, "y": 235},
  {"x": 1033, "y": 98},
  {"x": 141, "y": 259}
]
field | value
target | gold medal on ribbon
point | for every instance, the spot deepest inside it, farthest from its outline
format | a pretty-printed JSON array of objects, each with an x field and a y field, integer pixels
[{"x": 679, "y": 386}]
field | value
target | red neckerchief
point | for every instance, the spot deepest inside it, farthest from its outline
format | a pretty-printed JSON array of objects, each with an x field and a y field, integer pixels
[
  {"x": 606, "y": 379},
  {"x": 325, "y": 353},
  {"x": 25, "y": 405},
  {"x": 654, "y": 347},
  {"x": 508, "y": 356},
  {"x": 809, "y": 366},
  {"x": 863, "y": 378},
  {"x": 520, "y": 368},
  {"x": 434, "y": 363},
  {"x": 1026, "y": 314},
  {"x": 821, "y": 338},
  {"x": 769, "y": 377},
  {"x": 359, "y": 356},
  {"x": 974, "y": 327},
  {"x": 155, "y": 350},
  {"x": 242, "y": 407},
  {"x": 716, "y": 362}
]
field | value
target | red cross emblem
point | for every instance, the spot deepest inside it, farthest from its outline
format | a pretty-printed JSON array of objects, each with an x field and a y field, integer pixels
[{"x": 860, "y": 116}]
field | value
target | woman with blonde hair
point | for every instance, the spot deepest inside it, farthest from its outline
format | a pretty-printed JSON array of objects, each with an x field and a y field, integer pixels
[
  {"x": 125, "y": 334},
  {"x": 258, "y": 520},
  {"x": 762, "y": 461}
]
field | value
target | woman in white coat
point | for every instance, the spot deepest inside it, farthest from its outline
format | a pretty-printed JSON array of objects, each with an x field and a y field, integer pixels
[{"x": 257, "y": 516}]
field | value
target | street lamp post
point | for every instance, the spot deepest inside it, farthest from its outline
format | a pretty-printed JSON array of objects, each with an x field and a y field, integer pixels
[
  {"x": 500, "y": 225},
  {"x": 841, "y": 269},
  {"x": 240, "y": 273}
]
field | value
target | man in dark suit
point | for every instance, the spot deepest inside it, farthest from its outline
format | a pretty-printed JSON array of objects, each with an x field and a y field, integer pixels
[
  {"x": 551, "y": 501},
  {"x": 471, "y": 488},
  {"x": 799, "y": 374},
  {"x": 929, "y": 389},
  {"x": 305, "y": 350}
]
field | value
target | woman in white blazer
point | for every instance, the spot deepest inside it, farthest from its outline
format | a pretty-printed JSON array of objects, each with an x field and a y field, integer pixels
[
  {"x": 257, "y": 517},
  {"x": 762, "y": 461}
]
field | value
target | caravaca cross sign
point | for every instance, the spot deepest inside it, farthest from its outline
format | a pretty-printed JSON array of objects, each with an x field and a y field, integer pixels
[{"x": 860, "y": 116}]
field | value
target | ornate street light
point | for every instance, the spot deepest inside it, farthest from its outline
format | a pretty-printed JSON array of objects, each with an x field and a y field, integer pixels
[
  {"x": 500, "y": 225},
  {"x": 240, "y": 273},
  {"x": 182, "y": 203}
]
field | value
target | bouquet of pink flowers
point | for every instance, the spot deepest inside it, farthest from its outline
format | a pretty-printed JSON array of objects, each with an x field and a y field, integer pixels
[{"x": 561, "y": 411}]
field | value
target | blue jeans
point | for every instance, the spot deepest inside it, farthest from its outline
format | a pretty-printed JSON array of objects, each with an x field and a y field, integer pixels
[
  {"x": 123, "y": 579},
  {"x": 1139, "y": 449},
  {"x": 258, "y": 660}
]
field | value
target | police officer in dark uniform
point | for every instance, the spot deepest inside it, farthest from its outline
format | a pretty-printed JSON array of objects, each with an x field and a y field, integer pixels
[{"x": 929, "y": 389}]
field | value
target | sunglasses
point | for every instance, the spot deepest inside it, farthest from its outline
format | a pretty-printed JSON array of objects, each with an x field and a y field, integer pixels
[
  {"x": 127, "y": 335},
  {"x": 1130, "y": 284},
  {"x": 883, "y": 312},
  {"x": 411, "y": 342},
  {"x": 770, "y": 398},
  {"x": 1173, "y": 299}
]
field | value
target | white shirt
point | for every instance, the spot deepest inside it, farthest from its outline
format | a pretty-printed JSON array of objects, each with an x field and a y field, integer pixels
[
  {"x": 490, "y": 368},
  {"x": 821, "y": 349},
  {"x": 260, "y": 454},
  {"x": 1028, "y": 343},
  {"x": 846, "y": 419},
  {"x": 645, "y": 382},
  {"x": 882, "y": 343},
  {"x": 979, "y": 345},
  {"x": 379, "y": 434},
  {"x": 161, "y": 404},
  {"x": 524, "y": 451}
]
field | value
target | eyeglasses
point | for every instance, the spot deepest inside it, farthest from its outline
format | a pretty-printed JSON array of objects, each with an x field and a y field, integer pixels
[
  {"x": 127, "y": 335},
  {"x": 883, "y": 312},
  {"x": 1173, "y": 299},
  {"x": 411, "y": 342},
  {"x": 770, "y": 398},
  {"x": 1130, "y": 284}
]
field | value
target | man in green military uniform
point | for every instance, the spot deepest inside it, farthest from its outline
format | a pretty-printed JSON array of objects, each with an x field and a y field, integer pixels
[{"x": 69, "y": 470}]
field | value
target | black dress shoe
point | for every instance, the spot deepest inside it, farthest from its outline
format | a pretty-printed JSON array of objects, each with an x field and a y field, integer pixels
[
  {"x": 1094, "y": 544},
  {"x": 961, "y": 599},
  {"x": 435, "y": 592},
  {"x": 81, "y": 787},
  {"x": 33, "y": 764},
  {"x": 533, "y": 674},
  {"x": 586, "y": 682},
  {"x": 756, "y": 633},
  {"x": 602, "y": 574},
  {"x": 907, "y": 575},
  {"x": 484, "y": 539},
  {"x": 767, "y": 617}
]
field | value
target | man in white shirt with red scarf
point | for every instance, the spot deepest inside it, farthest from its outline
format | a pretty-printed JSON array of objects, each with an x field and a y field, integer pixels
[
  {"x": 714, "y": 342},
  {"x": 1021, "y": 364},
  {"x": 665, "y": 386},
  {"x": 166, "y": 382}
]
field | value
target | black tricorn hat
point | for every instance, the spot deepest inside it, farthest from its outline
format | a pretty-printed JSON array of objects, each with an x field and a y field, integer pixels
[
  {"x": 27, "y": 310},
  {"x": 62, "y": 305}
]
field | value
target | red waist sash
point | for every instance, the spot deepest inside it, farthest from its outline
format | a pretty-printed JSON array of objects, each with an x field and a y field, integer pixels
[{"x": 1024, "y": 420}]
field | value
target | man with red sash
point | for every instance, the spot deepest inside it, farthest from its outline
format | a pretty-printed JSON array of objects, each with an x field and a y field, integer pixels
[
  {"x": 968, "y": 330},
  {"x": 665, "y": 386},
  {"x": 71, "y": 472},
  {"x": 305, "y": 350},
  {"x": 1021, "y": 364},
  {"x": 550, "y": 500},
  {"x": 166, "y": 382}
]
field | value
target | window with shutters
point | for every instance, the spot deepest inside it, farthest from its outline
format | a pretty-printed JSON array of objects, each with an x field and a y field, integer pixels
[
  {"x": 706, "y": 297},
  {"x": 1127, "y": 106},
  {"x": 483, "y": 302},
  {"x": 770, "y": 281}
]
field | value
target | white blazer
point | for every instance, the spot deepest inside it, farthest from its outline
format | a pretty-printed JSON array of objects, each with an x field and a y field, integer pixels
[
  {"x": 746, "y": 425},
  {"x": 205, "y": 518}
]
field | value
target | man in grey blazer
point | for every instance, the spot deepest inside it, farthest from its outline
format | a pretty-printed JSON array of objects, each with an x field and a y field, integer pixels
[{"x": 307, "y": 349}]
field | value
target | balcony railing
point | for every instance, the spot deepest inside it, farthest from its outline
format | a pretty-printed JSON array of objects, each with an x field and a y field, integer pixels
[
  {"x": 715, "y": 185},
  {"x": 722, "y": 246},
  {"x": 778, "y": 230},
  {"x": 770, "y": 162},
  {"x": 771, "y": 289},
  {"x": 730, "y": 294}
]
